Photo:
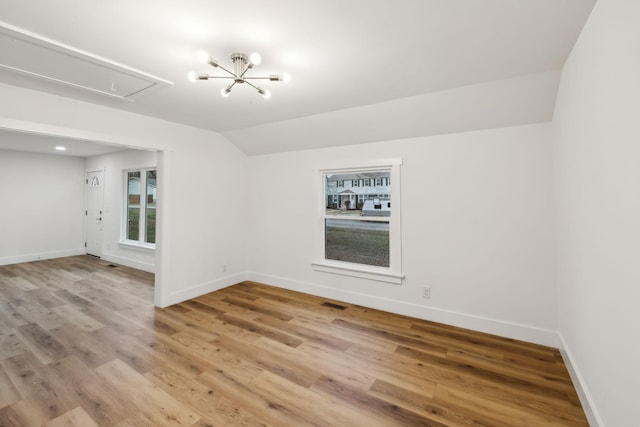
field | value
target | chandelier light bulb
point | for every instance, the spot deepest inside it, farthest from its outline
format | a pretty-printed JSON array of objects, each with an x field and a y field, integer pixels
[
  {"x": 255, "y": 58},
  {"x": 202, "y": 56},
  {"x": 226, "y": 91},
  {"x": 266, "y": 94},
  {"x": 286, "y": 77},
  {"x": 192, "y": 76}
]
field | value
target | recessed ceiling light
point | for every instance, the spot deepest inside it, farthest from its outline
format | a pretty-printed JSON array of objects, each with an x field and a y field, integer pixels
[{"x": 61, "y": 148}]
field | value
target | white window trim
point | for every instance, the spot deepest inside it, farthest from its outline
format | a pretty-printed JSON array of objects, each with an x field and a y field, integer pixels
[
  {"x": 136, "y": 244},
  {"x": 393, "y": 273}
]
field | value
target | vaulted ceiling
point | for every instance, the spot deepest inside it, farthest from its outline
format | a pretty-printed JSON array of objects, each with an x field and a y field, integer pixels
[{"x": 362, "y": 70}]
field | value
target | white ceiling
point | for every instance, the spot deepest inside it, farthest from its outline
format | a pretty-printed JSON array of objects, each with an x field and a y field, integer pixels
[
  {"x": 362, "y": 70},
  {"x": 32, "y": 142}
]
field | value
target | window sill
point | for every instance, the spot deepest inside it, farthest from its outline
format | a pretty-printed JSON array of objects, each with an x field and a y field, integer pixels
[
  {"x": 143, "y": 247},
  {"x": 355, "y": 270}
]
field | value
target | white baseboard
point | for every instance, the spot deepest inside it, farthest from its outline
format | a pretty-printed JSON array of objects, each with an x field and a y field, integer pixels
[
  {"x": 578, "y": 382},
  {"x": 139, "y": 265},
  {"x": 482, "y": 324},
  {"x": 41, "y": 256},
  {"x": 201, "y": 289}
]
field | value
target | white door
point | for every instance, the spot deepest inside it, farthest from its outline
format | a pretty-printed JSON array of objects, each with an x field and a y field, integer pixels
[{"x": 94, "y": 216}]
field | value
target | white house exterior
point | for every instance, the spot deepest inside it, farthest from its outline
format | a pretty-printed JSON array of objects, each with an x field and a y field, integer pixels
[{"x": 350, "y": 191}]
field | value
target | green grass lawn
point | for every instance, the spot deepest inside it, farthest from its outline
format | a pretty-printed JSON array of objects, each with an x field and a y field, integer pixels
[
  {"x": 151, "y": 226},
  {"x": 369, "y": 247},
  {"x": 133, "y": 227}
]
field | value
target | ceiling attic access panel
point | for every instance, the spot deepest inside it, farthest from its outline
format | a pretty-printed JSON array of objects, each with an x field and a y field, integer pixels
[{"x": 36, "y": 56}]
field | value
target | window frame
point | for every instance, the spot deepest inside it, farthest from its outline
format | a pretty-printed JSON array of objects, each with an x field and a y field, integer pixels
[
  {"x": 142, "y": 223},
  {"x": 392, "y": 274}
]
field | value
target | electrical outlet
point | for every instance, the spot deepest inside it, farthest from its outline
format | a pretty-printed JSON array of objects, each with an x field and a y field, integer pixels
[{"x": 426, "y": 292}]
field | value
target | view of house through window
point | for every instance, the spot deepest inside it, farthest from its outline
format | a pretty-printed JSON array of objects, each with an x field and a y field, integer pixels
[
  {"x": 357, "y": 214},
  {"x": 141, "y": 206}
]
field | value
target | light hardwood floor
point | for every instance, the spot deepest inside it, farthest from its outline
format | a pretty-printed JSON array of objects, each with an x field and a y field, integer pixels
[{"x": 82, "y": 345}]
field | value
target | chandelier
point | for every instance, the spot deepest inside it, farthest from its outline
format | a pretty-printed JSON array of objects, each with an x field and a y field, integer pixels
[{"x": 241, "y": 64}]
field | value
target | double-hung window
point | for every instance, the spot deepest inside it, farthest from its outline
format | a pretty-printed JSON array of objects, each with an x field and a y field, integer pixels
[
  {"x": 359, "y": 232},
  {"x": 140, "y": 207}
]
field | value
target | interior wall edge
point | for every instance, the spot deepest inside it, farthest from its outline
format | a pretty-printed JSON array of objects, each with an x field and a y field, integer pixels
[
  {"x": 498, "y": 327},
  {"x": 201, "y": 289},
  {"x": 588, "y": 405}
]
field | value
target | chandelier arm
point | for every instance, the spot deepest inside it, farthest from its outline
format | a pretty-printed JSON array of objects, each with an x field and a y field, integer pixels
[
  {"x": 253, "y": 86},
  {"x": 250, "y": 66},
  {"x": 257, "y": 78},
  {"x": 230, "y": 73}
]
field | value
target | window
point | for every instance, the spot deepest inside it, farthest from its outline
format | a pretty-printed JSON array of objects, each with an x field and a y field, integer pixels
[
  {"x": 150, "y": 224},
  {"x": 140, "y": 213},
  {"x": 365, "y": 241}
]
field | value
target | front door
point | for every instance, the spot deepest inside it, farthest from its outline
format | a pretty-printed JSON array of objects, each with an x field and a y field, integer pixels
[{"x": 94, "y": 216}]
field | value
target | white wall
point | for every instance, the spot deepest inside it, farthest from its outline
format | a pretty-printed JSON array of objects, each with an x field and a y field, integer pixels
[
  {"x": 113, "y": 166},
  {"x": 201, "y": 211},
  {"x": 597, "y": 173},
  {"x": 41, "y": 206},
  {"x": 477, "y": 226}
]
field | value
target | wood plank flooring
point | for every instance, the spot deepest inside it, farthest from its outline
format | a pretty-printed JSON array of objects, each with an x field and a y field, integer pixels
[{"x": 81, "y": 344}]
